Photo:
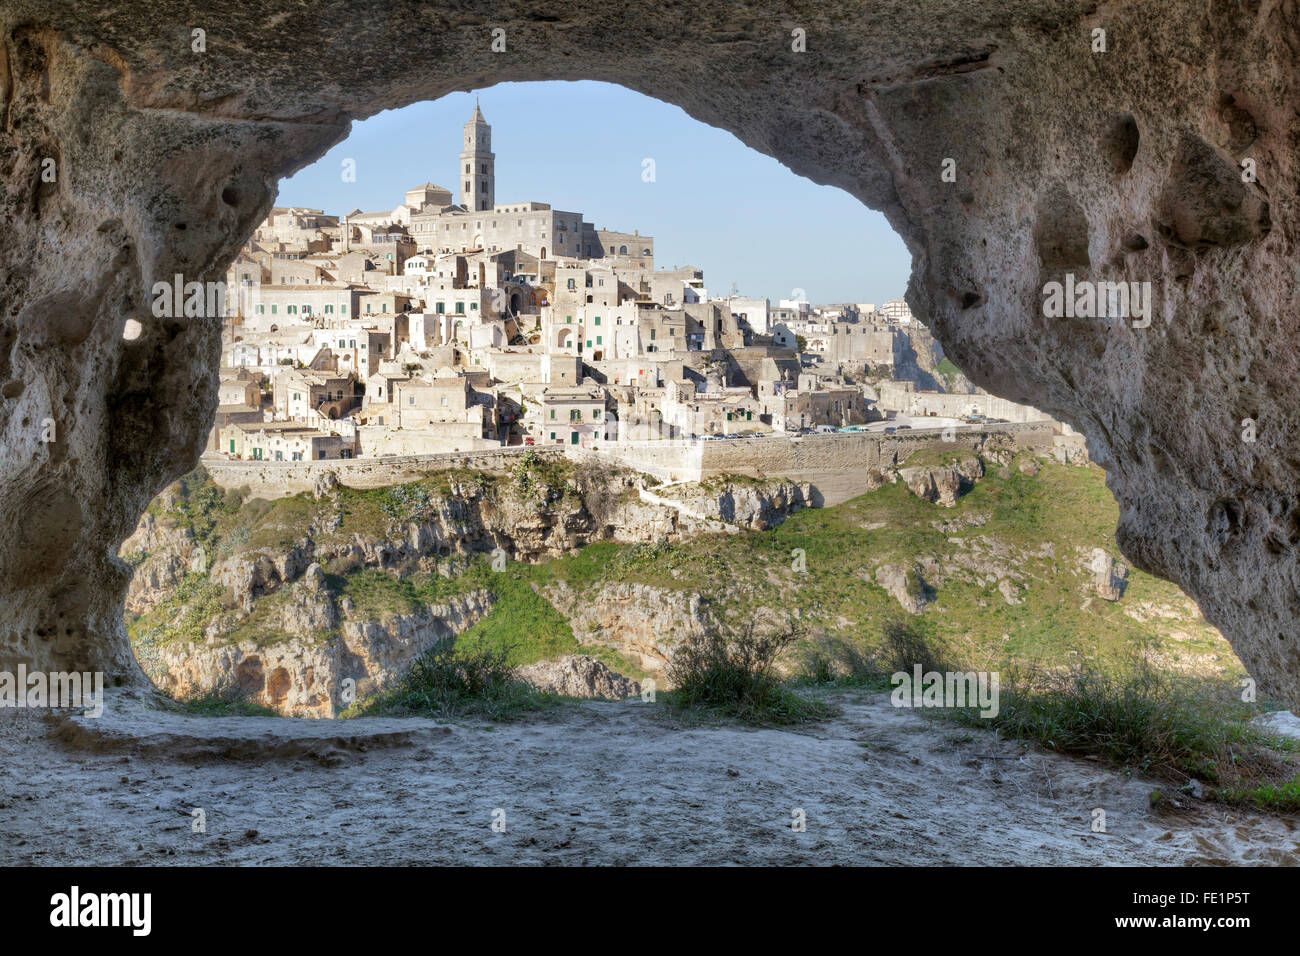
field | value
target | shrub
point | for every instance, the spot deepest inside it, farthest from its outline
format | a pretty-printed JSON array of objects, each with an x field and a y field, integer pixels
[
  {"x": 450, "y": 681},
  {"x": 1171, "y": 725},
  {"x": 904, "y": 645},
  {"x": 835, "y": 659},
  {"x": 732, "y": 672},
  {"x": 404, "y": 502}
]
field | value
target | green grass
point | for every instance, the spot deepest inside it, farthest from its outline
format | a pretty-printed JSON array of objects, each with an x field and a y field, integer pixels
[
  {"x": 183, "y": 614},
  {"x": 731, "y": 673},
  {"x": 1136, "y": 716},
  {"x": 1281, "y": 798},
  {"x": 227, "y": 703},
  {"x": 450, "y": 681},
  {"x": 1059, "y": 623},
  {"x": 948, "y": 372}
]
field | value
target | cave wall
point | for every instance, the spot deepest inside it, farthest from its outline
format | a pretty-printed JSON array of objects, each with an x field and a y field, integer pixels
[{"x": 1122, "y": 164}]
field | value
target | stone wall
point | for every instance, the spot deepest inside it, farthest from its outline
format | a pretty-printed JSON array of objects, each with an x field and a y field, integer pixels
[
  {"x": 897, "y": 396},
  {"x": 279, "y": 479},
  {"x": 838, "y": 466}
]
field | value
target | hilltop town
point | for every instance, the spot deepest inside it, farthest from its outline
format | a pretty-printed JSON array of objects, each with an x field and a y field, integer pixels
[{"x": 438, "y": 327}]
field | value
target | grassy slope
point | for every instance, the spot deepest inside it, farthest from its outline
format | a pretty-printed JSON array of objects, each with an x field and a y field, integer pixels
[{"x": 1067, "y": 506}]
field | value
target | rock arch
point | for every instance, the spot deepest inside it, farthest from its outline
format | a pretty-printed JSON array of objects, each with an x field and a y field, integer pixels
[{"x": 1003, "y": 149}]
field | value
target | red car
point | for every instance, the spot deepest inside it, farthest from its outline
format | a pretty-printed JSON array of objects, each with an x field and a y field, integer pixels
[{"x": 528, "y": 440}]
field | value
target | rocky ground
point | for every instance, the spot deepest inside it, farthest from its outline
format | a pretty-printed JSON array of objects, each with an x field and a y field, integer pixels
[{"x": 598, "y": 783}]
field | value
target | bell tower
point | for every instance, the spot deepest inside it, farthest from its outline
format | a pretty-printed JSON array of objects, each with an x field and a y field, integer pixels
[{"x": 478, "y": 164}]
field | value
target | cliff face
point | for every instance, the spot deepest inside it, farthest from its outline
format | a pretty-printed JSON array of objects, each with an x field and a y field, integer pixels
[
  {"x": 305, "y": 676},
  {"x": 282, "y": 603},
  {"x": 753, "y": 505},
  {"x": 943, "y": 484},
  {"x": 642, "y": 622}
]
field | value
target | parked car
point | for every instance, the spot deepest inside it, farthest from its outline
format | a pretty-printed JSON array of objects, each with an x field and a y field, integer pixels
[
  {"x": 528, "y": 440},
  {"x": 904, "y": 428},
  {"x": 890, "y": 430},
  {"x": 826, "y": 429}
]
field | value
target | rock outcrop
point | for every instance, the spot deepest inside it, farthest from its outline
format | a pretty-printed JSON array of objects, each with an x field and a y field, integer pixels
[
  {"x": 162, "y": 555},
  {"x": 906, "y": 586},
  {"x": 755, "y": 505},
  {"x": 643, "y": 623},
  {"x": 578, "y": 675},
  {"x": 304, "y": 676},
  {"x": 1109, "y": 579},
  {"x": 943, "y": 484},
  {"x": 1011, "y": 145}
]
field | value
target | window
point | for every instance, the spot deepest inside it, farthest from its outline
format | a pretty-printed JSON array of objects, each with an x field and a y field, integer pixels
[
  {"x": 329, "y": 310},
  {"x": 261, "y": 310},
  {"x": 411, "y": 400},
  {"x": 467, "y": 168},
  {"x": 552, "y": 416},
  {"x": 343, "y": 309},
  {"x": 575, "y": 414},
  {"x": 598, "y": 320},
  {"x": 467, "y": 183},
  {"x": 342, "y": 344},
  {"x": 352, "y": 343},
  {"x": 442, "y": 308},
  {"x": 273, "y": 310},
  {"x": 595, "y": 413},
  {"x": 598, "y": 340},
  {"x": 460, "y": 308}
]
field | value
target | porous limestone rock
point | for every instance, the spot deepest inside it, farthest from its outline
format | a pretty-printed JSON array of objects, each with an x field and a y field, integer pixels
[
  {"x": 1148, "y": 141},
  {"x": 904, "y": 585},
  {"x": 943, "y": 484},
  {"x": 757, "y": 506},
  {"x": 1109, "y": 579},
  {"x": 644, "y": 623},
  {"x": 304, "y": 674},
  {"x": 578, "y": 675}
]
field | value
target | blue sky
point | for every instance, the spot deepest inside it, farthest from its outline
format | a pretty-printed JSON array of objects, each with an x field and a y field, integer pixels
[{"x": 715, "y": 203}]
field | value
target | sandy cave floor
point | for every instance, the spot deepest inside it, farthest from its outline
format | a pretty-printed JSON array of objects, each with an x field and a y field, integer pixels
[{"x": 599, "y": 783}]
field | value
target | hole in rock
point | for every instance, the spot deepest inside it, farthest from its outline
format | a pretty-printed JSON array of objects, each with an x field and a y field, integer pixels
[
  {"x": 1120, "y": 143},
  {"x": 653, "y": 388}
]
